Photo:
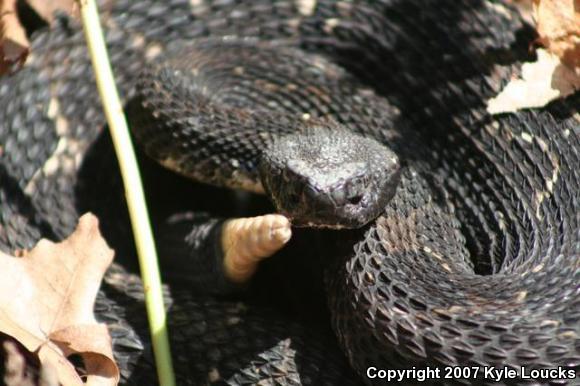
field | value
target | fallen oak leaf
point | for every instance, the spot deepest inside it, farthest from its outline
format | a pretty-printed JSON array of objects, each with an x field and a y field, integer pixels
[
  {"x": 47, "y": 9},
  {"x": 558, "y": 24},
  {"x": 556, "y": 72},
  {"x": 542, "y": 82},
  {"x": 47, "y": 299},
  {"x": 48, "y": 353},
  {"x": 73, "y": 339},
  {"x": 14, "y": 45}
]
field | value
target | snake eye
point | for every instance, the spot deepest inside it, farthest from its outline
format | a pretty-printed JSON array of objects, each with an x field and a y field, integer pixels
[{"x": 293, "y": 198}]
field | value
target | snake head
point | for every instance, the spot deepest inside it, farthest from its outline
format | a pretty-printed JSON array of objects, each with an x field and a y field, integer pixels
[{"x": 329, "y": 177}]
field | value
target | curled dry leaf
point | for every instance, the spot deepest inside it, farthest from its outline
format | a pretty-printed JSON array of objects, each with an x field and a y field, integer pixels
[
  {"x": 47, "y": 9},
  {"x": 14, "y": 46},
  {"x": 47, "y": 299},
  {"x": 542, "y": 81},
  {"x": 558, "y": 24},
  {"x": 556, "y": 72}
]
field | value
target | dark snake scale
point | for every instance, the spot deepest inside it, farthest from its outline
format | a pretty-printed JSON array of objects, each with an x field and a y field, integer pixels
[{"x": 475, "y": 261}]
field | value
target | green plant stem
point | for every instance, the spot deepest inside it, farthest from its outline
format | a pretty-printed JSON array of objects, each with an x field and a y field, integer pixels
[{"x": 133, "y": 191}]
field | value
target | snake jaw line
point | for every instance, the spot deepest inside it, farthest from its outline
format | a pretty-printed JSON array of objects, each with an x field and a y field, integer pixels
[{"x": 246, "y": 241}]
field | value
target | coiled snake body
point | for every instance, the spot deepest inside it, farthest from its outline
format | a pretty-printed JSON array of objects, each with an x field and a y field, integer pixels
[{"x": 475, "y": 261}]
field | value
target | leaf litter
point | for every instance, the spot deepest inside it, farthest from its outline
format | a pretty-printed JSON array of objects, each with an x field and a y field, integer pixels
[
  {"x": 556, "y": 72},
  {"x": 47, "y": 296},
  {"x": 14, "y": 44},
  {"x": 47, "y": 299}
]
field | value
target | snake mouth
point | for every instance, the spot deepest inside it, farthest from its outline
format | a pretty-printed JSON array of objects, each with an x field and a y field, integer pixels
[{"x": 329, "y": 178}]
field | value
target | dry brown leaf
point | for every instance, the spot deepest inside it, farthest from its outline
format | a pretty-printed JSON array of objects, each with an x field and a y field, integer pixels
[
  {"x": 46, "y": 9},
  {"x": 556, "y": 72},
  {"x": 14, "y": 46},
  {"x": 47, "y": 299},
  {"x": 558, "y": 24},
  {"x": 542, "y": 82}
]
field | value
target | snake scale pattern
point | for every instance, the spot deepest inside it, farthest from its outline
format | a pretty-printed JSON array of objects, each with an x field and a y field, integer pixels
[{"x": 475, "y": 261}]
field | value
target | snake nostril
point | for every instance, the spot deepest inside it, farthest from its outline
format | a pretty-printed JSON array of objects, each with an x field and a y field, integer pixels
[{"x": 355, "y": 200}]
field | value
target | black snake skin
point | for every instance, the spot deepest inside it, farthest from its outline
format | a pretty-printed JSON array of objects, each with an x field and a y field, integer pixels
[{"x": 474, "y": 262}]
